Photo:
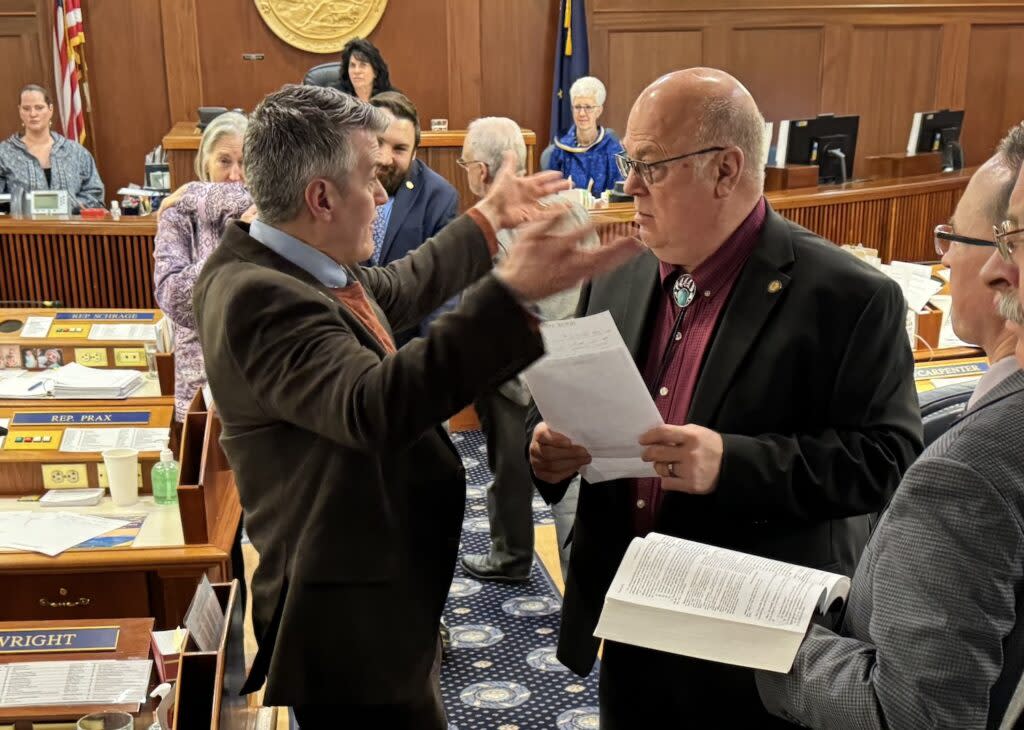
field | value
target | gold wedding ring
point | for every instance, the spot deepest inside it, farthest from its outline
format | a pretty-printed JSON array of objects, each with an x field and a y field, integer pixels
[{"x": 671, "y": 469}]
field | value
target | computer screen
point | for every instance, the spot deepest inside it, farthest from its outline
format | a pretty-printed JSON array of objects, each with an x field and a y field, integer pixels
[
  {"x": 938, "y": 131},
  {"x": 828, "y": 141}
]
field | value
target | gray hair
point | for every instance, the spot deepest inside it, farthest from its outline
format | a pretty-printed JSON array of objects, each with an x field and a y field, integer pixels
[
  {"x": 1011, "y": 154},
  {"x": 490, "y": 137},
  {"x": 228, "y": 123},
  {"x": 724, "y": 121},
  {"x": 589, "y": 86},
  {"x": 300, "y": 133}
]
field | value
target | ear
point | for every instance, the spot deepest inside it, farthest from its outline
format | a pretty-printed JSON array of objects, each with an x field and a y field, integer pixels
[
  {"x": 729, "y": 168},
  {"x": 318, "y": 198}
]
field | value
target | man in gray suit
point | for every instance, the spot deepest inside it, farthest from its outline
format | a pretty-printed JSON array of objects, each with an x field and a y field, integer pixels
[{"x": 934, "y": 633}]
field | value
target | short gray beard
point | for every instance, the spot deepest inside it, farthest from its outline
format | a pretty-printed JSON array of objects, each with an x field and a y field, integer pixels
[{"x": 1010, "y": 308}]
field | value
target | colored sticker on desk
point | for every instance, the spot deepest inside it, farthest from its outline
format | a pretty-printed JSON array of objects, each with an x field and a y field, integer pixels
[
  {"x": 33, "y": 440},
  {"x": 960, "y": 370},
  {"x": 93, "y": 357},
  {"x": 70, "y": 331},
  {"x": 100, "y": 316},
  {"x": 90, "y": 418},
  {"x": 63, "y": 639},
  {"x": 122, "y": 537}
]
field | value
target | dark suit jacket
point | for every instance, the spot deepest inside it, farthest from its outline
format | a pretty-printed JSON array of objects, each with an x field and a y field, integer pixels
[
  {"x": 417, "y": 214},
  {"x": 353, "y": 494},
  {"x": 812, "y": 388}
]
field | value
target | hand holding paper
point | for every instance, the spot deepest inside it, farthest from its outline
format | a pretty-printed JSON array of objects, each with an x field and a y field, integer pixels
[{"x": 553, "y": 456}]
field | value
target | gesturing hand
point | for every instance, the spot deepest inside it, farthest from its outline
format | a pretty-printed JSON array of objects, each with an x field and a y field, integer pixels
[
  {"x": 688, "y": 458},
  {"x": 553, "y": 456}
]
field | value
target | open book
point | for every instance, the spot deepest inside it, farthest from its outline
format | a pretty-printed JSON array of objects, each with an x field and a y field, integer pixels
[{"x": 710, "y": 603}]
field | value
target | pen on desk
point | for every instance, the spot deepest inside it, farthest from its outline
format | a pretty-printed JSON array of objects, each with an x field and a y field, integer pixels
[{"x": 35, "y": 385}]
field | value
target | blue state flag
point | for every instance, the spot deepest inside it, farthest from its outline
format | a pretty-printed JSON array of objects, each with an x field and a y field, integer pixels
[{"x": 572, "y": 61}]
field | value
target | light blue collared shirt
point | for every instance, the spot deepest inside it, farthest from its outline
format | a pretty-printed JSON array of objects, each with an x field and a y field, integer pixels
[{"x": 317, "y": 264}]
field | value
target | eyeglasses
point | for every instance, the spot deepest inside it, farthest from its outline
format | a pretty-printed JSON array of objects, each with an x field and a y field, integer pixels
[
  {"x": 645, "y": 170},
  {"x": 464, "y": 163},
  {"x": 583, "y": 109},
  {"x": 1003, "y": 232},
  {"x": 944, "y": 236}
]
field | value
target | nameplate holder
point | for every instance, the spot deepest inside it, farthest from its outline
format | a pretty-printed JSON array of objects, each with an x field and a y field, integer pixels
[
  {"x": 54, "y": 640},
  {"x": 960, "y": 370},
  {"x": 91, "y": 418},
  {"x": 100, "y": 316}
]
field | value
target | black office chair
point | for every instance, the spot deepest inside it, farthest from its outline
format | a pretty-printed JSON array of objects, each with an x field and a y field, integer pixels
[
  {"x": 941, "y": 407},
  {"x": 326, "y": 74}
]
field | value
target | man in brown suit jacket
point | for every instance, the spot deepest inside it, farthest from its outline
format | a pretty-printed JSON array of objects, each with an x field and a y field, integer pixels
[{"x": 353, "y": 494}]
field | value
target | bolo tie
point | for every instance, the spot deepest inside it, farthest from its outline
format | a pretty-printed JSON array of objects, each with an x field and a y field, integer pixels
[{"x": 684, "y": 291}]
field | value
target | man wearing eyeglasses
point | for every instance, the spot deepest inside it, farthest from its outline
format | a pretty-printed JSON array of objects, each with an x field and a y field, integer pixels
[
  {"x": 781, "y": 367},
  {"x": 933, "y": 634}
]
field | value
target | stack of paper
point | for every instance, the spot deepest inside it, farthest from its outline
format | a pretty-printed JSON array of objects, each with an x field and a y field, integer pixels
[
  {"x": 25, "y": 385},
  {"x": 916, "y": 282},
  {"x": 78, "y": 381},
  {"x": 72, "y": 497}
]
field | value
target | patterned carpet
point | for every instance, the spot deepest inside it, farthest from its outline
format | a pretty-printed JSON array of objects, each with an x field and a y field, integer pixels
[{"x": 501, "y": 673}]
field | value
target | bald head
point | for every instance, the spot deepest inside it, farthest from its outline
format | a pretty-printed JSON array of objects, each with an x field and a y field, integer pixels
[{"x": 708, "y": 108}]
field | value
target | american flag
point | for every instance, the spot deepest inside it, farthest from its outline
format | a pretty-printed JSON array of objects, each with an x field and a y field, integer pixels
[{"x": 68, "y": 39}]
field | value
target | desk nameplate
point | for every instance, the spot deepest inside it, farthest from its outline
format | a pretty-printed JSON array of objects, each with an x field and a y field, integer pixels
[
  {"x": 929, "y": 372},
  {"x": 98, "y": 316},
  {"x": 59, "y": 640},
  {"x": 90, "y": 418}
]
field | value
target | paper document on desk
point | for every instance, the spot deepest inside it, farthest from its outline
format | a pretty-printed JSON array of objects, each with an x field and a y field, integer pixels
[
  {"x": 123, "y": 332},
  {"x": 51, "y": 533},
  {"x": 36, "y": 327},
  {"x": 947, "y": 337},
  {"x": 588, "y": 388},
  {"x": 48, "y": 684}
]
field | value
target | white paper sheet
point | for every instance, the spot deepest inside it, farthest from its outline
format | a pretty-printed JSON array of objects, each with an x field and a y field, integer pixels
[
  {"x": 947, "y": 338},
  {"x": 915, "y": 281},
  {"x": 588, "y": 388},
  {"x": 78, "y": 440},
  {"x": 123, "y": 332},
  {"x": 37, "y": 684},
  {"x": 36, "y": 327},
  {"x": 51, "y": 533}
]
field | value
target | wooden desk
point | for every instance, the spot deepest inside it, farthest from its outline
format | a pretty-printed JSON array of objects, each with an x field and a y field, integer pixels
[
  {"x": 896, "y": 216},
  {"x": 132, "y": 643},
  {"x": 438, "y": 149},
  {"x": 80, "y": 263},
  {"x": 157, "y": 575}
]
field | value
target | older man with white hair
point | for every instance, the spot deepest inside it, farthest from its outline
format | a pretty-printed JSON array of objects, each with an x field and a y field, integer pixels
[
  {"x": 586, "y": 153},
  {"x": 503, "y": 411},
  {"x": 781, "y": 368}
]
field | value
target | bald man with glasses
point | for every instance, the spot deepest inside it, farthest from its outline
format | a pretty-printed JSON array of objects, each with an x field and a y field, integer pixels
[{"x": 781, "y": 367}]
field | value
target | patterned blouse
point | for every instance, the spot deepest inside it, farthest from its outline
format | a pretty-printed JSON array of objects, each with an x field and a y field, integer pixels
[
  {"x": 186, "y": 234},
  {"x": 71, "y": 168}
]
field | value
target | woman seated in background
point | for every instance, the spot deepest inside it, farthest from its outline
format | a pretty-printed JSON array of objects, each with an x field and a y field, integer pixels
[
  {"x": 189, "y": 227},
  {"x": 364, "y": 73},
  {"x": 586, "y": 153},
  {"x": 40, "y": 159}
]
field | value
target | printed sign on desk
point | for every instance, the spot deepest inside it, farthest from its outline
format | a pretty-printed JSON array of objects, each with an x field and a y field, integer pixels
[
  {"x": 91, "y": 418},
  {"x": 64, "y": 639}
]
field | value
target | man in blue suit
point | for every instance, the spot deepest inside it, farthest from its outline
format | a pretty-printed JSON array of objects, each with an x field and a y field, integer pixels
[{"x": 420, "y": 202}]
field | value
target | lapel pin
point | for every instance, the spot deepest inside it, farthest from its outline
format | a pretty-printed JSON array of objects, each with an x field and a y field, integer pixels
[
  {"x": 775, "y": 286},
  {"x": 408, "y": 184}
]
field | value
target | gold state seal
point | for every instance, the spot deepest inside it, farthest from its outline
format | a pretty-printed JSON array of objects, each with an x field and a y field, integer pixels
[{"x": 320, "y": 26}]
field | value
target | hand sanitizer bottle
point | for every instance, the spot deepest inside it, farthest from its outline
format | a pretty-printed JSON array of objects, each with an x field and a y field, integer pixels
[{"x": 165, "y": 478}]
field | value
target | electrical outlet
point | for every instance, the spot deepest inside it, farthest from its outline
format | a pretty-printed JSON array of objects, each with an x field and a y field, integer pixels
[
  {"x": 65, "y": 476},
  {"x": 129, "y": 356},
  {"x": 94, "y": 357},
  {"x": 101, "y": 476}
]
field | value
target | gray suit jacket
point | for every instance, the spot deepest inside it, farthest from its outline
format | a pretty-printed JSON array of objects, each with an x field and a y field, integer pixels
[{"x": 934, "y": 632}]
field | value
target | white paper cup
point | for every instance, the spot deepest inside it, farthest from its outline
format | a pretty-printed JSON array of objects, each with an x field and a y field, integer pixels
[{"x": 122, "y": 475}]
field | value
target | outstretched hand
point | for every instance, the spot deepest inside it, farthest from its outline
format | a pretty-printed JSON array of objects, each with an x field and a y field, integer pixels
[{"x": 515, "y": 199}]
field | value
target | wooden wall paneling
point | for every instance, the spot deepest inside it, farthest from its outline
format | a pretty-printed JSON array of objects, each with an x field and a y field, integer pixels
[
  {"x": 951, "y": 89},
  {"x": 785, "y": 85},
  {"x": 465, "y": 73},
  {"x": 181, "y": 58},
  {"x": 22, "y": 48},
  {"x": 914, "y": 220},
  {"x": 128, "y": 86},
  {"x": 995, "y": 88},
  {"x": 638, "y": 57},
  {"x": 893, "y": 73},
  {"x": 517, "y": 41},
  {"x": 410, "y": 36},
  {"x": 796, "y": 6},
  {"x": 835, "y": 65}
]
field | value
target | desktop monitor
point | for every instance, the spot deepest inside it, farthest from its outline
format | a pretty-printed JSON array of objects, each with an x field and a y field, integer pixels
[
  {"x": 828, "y": 141},
  {"x": 938, "y": 132}
]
